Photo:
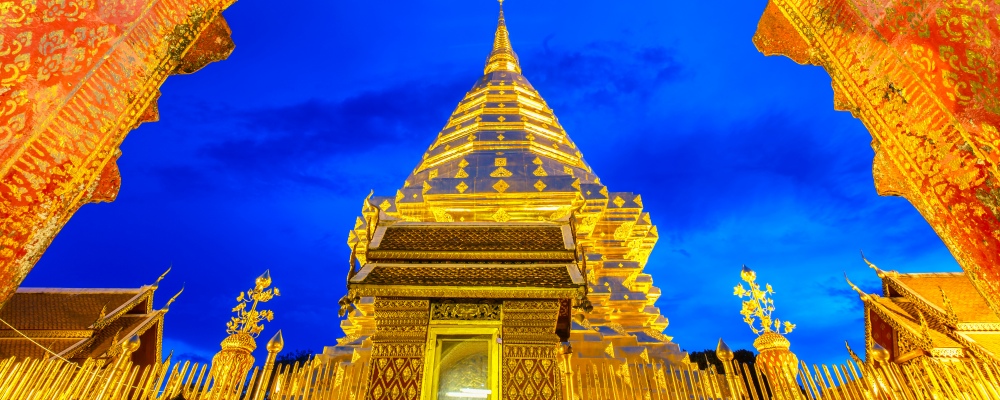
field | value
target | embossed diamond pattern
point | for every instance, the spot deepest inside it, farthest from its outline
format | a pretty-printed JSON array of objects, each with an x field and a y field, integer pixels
[
  {"x": 395, "y": 379},
  {"x": 529, "y": 379}
]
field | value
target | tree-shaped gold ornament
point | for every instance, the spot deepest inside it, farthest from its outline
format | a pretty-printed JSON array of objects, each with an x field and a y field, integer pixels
[
  {"x": 774, "y": 357},
  {"x": 249, "y": 321},
  {"x": 759, "y": 305}
]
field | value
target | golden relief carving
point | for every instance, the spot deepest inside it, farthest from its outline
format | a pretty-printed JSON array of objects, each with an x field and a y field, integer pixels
[
  {"x": 400, "y": 321},
  {"x": 482, "y": 310},
  {"x": 530, "y": 372},
  {"x": 394, "y": 373},
  {"x": 530, "y": 321}
]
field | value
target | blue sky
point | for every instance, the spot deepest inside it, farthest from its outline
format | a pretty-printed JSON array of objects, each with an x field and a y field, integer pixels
[{"x": 262, "y": 162}]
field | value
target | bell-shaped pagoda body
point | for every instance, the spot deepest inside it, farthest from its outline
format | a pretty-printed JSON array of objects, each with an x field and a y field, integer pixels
[{"x": 503, "y": 158}]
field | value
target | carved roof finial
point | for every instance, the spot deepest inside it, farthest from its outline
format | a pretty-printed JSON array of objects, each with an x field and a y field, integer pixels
[
  {"x": 925, "y": 332},
  {"x": 502, "y": 58},
  {"x": 861, "y": 293},
  {"x": 948, "y": 309},
  {"x": 166, "y": 307},
  {"x": 156, "y": 284},
  {"x": 878, "y": 271}
]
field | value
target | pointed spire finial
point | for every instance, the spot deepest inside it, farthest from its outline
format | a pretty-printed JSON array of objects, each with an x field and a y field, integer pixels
[
  {"x": 166, "y": 307},
  {"x": 878, "y": 271},
  {"x": 156, "y": 285},
  {"x": 502, "y": 58},
  {"x": 861, "y": 293},
  {"x": 723, "y": 351}
]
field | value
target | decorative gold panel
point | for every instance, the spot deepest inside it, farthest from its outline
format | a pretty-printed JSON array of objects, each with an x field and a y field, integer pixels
[
  {"x": 451, "y": 310},
  {"x": 530, "y": 372}
]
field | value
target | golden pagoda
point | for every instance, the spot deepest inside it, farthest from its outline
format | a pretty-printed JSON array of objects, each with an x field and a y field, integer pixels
[{"x": 502, "y": 250}]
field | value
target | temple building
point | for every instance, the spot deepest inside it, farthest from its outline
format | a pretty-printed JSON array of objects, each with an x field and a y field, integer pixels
[
  {"x": 939, "y": 315},
  {"x": 77, "y": 324},
  {"x": 502, "y": 255}
]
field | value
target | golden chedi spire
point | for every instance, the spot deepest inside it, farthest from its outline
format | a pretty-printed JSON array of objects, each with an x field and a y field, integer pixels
[
  {"x": 502, "y": 144},
  {"x": 503, "y": 57},
  {"x": 503, "y": 157}
]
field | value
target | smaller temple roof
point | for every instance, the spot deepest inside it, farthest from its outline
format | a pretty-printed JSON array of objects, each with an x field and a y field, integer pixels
[
  {"x": 75, "y": 323},
  {"x": 474, "y": 237},
  {"x": 958, "y": 320},
  {"x": 482, "y": 275},
  {"x": 483, "y": 259},
  {"x": 969, "y": 305},
  {"x": 65, "y": 309},
  {"x": 483, "y": 242}
]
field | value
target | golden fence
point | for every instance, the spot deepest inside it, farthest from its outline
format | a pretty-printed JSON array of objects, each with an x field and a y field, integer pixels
[{"x": 921, "y": 378}]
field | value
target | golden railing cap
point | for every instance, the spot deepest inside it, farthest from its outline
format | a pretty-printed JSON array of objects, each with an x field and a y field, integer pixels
[
  {"x": 132, "y": 344},
  {"x": 276, "y": 343},
  {"x": 723, "y": 351}
]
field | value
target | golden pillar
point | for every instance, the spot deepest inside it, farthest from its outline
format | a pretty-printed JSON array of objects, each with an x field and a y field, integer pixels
[
  {"x": 398, "y": 346},
  {"x": 727, "y": 356},
  {"x": 122, "y": 363},
  {"x": 274, "y": 347},
  {"x": 531, "y": 349}
]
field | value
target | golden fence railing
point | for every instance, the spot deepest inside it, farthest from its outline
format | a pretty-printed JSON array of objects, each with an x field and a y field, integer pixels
[{"x": 921, "y": 378}]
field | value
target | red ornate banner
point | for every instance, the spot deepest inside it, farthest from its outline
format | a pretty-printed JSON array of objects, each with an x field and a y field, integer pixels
[
  {"x": 76, "y": 77},
  {"x": 922, "y": 76}
]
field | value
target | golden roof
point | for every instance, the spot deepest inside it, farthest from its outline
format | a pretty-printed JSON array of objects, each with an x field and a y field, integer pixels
[
  {"x": 105, "y": 340},
  {"x": 969, "y": 305},
  {"x": 489, "y": 275},
  {"x": 64, "y": 309},
  {"x": 74, "y": 323},
  {"x": 988, "y": 341},
  {"x": 495, "y": 237},
  {"x": 958, "y": 321},
  {"x": 465, "y": 242},
  {"x": 14, "y": 347}
]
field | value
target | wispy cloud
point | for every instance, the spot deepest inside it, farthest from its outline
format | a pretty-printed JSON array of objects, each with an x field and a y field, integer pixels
[{"x": 601, "y": 74}]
